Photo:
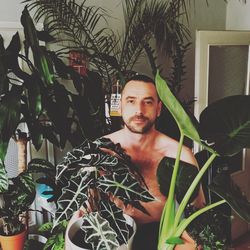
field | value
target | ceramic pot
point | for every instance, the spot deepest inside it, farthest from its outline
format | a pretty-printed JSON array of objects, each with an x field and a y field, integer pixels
[
  {"x": 14, "y": 242},
  {"x": 75, "y": 226}
]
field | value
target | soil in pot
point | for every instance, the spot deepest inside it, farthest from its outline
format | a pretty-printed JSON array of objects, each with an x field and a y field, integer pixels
[{"x": 78, "y": 239}]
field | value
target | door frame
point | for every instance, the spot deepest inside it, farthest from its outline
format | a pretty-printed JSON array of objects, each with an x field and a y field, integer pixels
[{"x": 205, "y": 39}]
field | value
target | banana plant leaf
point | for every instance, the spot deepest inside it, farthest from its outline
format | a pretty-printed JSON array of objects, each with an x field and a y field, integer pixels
[
  {"x": 225, "y": 125},
  {"x": 98, "y": 232},
  {"x": 169, "y": 100},
  {"x": 223, "y": 186},
  {"x": 185, "y": 177},
  {"x": 114, "y": 216}
]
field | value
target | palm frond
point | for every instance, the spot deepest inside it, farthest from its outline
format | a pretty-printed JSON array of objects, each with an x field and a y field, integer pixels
[{"x": 76, "y": 24}]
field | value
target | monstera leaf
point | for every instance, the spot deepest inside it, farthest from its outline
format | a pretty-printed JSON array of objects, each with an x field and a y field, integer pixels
[
  {"x": 124, "y": 186},
  {"x": 73, "y": 196},
  {"x": 185, "y": 177},
  {"x": 223, "y": 186},
  {"x": 115, "y": 217},
  {"x": 98, "y": 232},
  {"x": 225, "y": 125}
]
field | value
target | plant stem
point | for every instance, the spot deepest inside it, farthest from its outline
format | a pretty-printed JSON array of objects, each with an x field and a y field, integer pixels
[
  {"x": 191, "y": 189},
  {"x": 165, "y": 223},
  {"x": 188, "y": 220}
]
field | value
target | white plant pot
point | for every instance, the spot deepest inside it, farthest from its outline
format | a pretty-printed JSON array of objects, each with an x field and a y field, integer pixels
[
  {"x": 37, "y": 237},
  {"x": 71, "y": 231}
]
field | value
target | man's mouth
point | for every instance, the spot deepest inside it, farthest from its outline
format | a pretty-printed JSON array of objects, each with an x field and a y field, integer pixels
[{"x": 139, "y": 119}]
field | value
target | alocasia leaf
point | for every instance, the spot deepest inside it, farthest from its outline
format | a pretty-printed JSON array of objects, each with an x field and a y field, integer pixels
[
  {"x": 98, "y": 232},
  {"x": 73, "y": 196},
  {"x": 124, "y": 186},
  {"x": 115, "y": 217}
]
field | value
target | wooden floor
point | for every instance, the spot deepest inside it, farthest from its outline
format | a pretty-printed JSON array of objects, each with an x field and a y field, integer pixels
[{"x": 242, "y": 244}]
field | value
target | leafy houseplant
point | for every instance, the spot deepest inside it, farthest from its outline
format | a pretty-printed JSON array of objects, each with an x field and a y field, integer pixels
[
  {"x": 109, "y": 51},
  {"x": 15, "y": 203},
  {"x": 224, "y": 130},
  {"x": 35, "y": 94},
  {"x": 87, "y": 177}
]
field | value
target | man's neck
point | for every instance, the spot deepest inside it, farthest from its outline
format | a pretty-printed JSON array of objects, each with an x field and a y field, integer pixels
[{"x": 139, "y": 140}]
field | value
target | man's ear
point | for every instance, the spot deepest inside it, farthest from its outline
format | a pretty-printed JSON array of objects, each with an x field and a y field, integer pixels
[{"x": 159, "y": 107}]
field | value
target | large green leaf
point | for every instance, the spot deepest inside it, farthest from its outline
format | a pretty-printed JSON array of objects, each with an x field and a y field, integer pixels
[
  {"x": 169, "y": 100},
  {"x": 73, "y": 196},
  {"x": 223, "y": 186},
  {"x": 124, "y": 186},
  {"x": 114, "y": 216},
  {"x": 185, "y": 177},
  {"x": 31, "y": 39},
  {"x": 98, "y": 232},
  {"x": 225, "y": 125}
]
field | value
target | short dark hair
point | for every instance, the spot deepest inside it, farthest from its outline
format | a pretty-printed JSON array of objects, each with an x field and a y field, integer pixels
[{"x": 142, "y": 78}]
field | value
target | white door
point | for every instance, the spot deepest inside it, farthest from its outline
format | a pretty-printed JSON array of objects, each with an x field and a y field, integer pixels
[{"x": 222, "y": 65}]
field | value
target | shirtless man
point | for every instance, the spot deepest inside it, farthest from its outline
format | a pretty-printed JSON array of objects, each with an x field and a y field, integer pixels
[{"x": 146, "y": 146}]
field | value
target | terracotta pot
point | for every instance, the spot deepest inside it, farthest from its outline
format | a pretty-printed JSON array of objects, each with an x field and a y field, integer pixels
[
  {"x": 71, "y": 231},
  {"x": 14, "y": 242}
]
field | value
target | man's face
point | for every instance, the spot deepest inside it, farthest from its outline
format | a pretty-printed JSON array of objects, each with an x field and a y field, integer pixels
[{"x": 140, "y": 106}]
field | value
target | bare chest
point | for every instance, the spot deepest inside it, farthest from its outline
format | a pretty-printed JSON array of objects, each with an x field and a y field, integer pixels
[{"x": 148, "y": 164}]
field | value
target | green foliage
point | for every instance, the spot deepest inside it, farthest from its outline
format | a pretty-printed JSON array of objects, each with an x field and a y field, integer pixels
[
  {"x": 97, "y": 230},
  {"x": 55, "y": 237},
  {"x": 186, "y": 175},
  {"x": 16, "y": 200},
  {"x": 35, "y": 94},
  {"x": 184, "y": 122},
  {"x": 84, "y": 26},
  {"x": 90, "y": 175},
  {"x": 227, "y": 136},
  {"x": 224, "y": 130}
]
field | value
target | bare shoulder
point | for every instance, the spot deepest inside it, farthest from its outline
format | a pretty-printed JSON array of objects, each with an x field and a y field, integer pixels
[
  {"x": 169, "y": 148},
  {"x": 114, "y": 137}
]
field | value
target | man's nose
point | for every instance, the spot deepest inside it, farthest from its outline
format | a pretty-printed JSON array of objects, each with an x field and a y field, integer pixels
[{"x": 139, "y": 109}]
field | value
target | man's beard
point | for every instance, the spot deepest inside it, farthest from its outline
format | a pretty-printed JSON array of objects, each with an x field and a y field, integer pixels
[{"x": 148, "y": 124}]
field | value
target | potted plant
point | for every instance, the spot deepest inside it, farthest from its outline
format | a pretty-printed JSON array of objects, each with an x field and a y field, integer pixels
[
  {"x": 223, "y": 130},
  {"x": 14, "y": 203},
  {"x": 32, "y": 93},
  {"x": 88, "y": 177}
]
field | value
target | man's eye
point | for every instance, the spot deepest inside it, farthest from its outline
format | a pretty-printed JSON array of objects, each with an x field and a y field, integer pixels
[
  {"x": 148, "y": 102},
  {"x": 130, "y": 101}
]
